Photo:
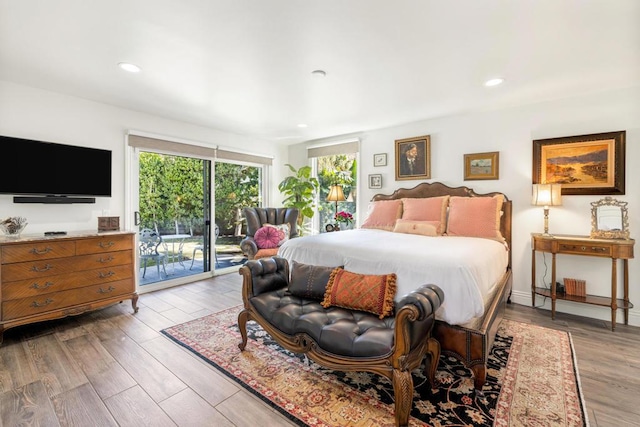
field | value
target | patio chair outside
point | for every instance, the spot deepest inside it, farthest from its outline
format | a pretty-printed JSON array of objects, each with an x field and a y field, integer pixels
[{"x": 148, "y": 247}]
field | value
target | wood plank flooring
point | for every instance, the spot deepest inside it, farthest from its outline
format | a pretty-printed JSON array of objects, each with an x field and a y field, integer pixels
[{"x": 114, "y": 368}]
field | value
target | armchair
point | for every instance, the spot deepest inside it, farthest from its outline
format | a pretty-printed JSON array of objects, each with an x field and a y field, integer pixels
[{"x": 256, "y": 218}]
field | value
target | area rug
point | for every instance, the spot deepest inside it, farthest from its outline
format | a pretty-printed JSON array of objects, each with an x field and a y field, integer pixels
[{"x": 532, "y": 380}]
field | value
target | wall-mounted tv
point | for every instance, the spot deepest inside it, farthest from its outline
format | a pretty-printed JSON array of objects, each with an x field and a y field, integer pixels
[{"x": 53, "y": 173}]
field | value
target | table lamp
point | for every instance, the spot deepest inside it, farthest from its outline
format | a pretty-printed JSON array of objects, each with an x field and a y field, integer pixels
[
  {"x": 336, "y": 195},
  {"x": 546, "y": 195}
]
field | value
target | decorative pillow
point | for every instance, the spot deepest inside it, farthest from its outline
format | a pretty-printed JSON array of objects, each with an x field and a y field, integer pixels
[
  {"x": 309, "y": 281},
  {"x": 284, "y": 231},
  {"x": 427, "y": 209},
  {"x": 383, "y": 214},
  {"x": 267, "y": 237},
  {"x": 475, "y": 217},
  {"x": 364, "y": 292},
  {"x": 425, "y": 228}
]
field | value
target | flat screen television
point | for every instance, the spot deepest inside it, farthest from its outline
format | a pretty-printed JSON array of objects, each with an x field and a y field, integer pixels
[{"x": 53, "y": 173}]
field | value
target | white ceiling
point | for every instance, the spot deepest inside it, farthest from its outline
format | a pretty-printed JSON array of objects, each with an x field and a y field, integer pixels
[{"x": 245, "y": 66}]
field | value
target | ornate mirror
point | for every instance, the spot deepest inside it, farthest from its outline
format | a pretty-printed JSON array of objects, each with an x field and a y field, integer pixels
[{"x": 609, "y": 219}]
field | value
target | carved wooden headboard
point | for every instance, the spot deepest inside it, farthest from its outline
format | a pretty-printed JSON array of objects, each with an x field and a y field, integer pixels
[{"x": 437, "y": 189}]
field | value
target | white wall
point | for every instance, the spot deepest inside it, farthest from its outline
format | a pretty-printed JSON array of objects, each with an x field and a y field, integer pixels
[
  {"x": 27, "y": 112},
  {"x": 511, "y": 131}
]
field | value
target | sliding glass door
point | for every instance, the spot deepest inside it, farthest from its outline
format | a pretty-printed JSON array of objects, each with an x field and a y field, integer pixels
[{"x": 174, "y": 206}]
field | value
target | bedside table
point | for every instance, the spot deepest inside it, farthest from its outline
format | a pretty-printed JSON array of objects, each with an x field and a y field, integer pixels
[{"x": 614, "y": 249}]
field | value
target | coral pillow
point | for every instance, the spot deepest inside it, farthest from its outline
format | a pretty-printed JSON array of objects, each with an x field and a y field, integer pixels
[
  {"x": 283, "y": 231},
  {"x": 267, "y": 237},
  {"x": 475, "y": 217},
  {"x": 424, "y": 228},
  {"x": 363, "y": 292},
  {"x": 427, "y": 209},
  {"x": 383, "y": 214}
]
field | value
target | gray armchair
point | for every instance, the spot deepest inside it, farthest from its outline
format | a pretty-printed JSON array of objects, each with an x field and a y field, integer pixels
[{"x": 256, "y": 218}]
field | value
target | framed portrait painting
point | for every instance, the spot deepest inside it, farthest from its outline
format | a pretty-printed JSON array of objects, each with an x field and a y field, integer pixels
[
  {"x": 481, "y": 166},
  {"x": 584, "y": 165},
  {"x": 413, "y": 158}
]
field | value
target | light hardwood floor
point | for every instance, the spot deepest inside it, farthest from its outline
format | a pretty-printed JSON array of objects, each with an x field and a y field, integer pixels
[{"x": 113, "y": 368}]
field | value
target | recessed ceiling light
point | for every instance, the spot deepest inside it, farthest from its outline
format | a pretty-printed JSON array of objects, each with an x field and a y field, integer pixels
[
  {"x": 319, "y": 74},
  {"x": 129, "y": 67},
  {"x": 494, "y": 82},
  {"x": 302, "y": 125}
]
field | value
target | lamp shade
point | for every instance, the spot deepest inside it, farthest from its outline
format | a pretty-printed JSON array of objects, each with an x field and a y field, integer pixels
[
  {"x": 336, "y": 194},
  {"x": 547, "y": 195}
]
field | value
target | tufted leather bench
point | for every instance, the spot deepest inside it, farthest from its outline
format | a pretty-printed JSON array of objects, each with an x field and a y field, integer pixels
[{"x": 344, "y": 339}]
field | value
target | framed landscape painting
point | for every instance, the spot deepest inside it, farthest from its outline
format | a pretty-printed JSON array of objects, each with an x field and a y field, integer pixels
[
  {"x": 481, "y": 166},
  {"x": 584, "y": 165}
]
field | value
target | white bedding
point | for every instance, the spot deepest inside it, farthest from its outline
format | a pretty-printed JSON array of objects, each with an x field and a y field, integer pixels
[{"x": 465, "y": 268}]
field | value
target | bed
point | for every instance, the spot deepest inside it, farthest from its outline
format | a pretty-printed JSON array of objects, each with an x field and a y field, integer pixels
[{"x": 474, "y": 272}]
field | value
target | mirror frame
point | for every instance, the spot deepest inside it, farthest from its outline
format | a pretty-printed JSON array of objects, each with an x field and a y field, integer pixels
[{"x": 606, "y": 234}]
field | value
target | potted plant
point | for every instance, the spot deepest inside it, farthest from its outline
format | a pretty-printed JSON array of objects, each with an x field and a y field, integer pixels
[{"x": 300, "y": 192}]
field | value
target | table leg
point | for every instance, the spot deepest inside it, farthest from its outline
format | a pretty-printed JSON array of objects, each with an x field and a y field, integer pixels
[
  {"x": 553, "y": 286},
  {"x": 533, "y": 278},
  {"x": 625, "y": 263},
  {"x": 614, "y": 292}
]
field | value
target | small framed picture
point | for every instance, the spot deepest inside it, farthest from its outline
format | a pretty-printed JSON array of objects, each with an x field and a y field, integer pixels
[
  {"x": 481, "y": 166},
  {"x": 380, "y": 159},
  {"x": 375, "y": 181}
]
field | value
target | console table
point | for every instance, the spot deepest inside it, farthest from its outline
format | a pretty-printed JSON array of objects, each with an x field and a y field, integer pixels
[
  {"x": 44, "y": 278},
  {"x": 614, "y": 249}
]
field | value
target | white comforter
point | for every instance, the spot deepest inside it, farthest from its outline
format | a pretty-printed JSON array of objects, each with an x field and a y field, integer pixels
[{"x": 465, "y": 268}]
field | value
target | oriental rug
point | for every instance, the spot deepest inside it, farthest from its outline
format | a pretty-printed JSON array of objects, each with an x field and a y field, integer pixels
[{"x": 532, "y": 380}]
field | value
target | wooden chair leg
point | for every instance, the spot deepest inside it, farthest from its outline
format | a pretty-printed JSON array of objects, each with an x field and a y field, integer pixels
[
  {"x": 403, "y": 396},
  {"x": 242, "y": 325}
]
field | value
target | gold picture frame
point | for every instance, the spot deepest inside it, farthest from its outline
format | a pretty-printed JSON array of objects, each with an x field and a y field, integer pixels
[
  {"x": 482, "y": 166},
  {"x": 584, "y": 165},
  {"x": 413, "y": 158}
]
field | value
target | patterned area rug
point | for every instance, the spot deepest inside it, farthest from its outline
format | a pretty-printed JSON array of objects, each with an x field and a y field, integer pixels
[{"x": 532, "y": 380}]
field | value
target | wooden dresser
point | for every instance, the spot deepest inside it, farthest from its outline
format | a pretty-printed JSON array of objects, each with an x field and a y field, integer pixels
[{"x": 43, "y": 278}]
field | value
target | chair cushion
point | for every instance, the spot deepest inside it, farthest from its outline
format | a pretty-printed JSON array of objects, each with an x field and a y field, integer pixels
[{"x": 364, "y": 292}]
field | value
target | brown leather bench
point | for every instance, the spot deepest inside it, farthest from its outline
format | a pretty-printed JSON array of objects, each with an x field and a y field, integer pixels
[{"x": 343, "y": 339}]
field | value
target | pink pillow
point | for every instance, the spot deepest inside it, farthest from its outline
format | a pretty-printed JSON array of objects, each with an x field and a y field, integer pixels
[
  {"x": 427, "y": 209},
  {"x": 424, "y": 228},
  {"x": 267, "y": 238},
  {"x": 283, "y": 231},
  {"x": 475, "y": 217},
  {"x": 383, "y": 214}
]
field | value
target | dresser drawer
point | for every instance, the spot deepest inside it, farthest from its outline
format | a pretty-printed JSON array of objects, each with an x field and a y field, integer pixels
[
  {"x": 37, "y": 251},
  {"x": 103, "y": 244},
  {"x": 57, "y": 266},
  {"x": 37, "y": 305},
  {"x": 593, "y": 249},
  {"x": 52, "y": 284}
]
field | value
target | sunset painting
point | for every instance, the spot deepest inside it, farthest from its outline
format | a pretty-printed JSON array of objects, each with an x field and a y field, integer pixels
[{"x": 585, "y": 164}]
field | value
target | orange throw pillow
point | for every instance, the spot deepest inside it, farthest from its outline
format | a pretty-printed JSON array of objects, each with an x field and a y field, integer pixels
[{"x": 363, "y": 292}]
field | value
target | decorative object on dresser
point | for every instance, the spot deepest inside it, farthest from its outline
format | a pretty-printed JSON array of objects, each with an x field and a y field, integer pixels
[
  {"x": 546, "y": 195},
  {"x": 609, "y": 219},
  {"x": 52, "y": 277},
  {"x": 481, "y": 166},
  {"x": 413, "y": 158},
  {"x": 585, "y": 164},
  {"x": 108, "y": 223},
  {"x": 13, "y": 226},
  {"x": 613, "y": 249}
]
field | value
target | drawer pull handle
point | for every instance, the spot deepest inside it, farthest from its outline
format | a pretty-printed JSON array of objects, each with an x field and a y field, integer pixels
[
  {"x": 35, "y": 251},
  {"x": 584, "y": 248},
  {"x": 46, "y": 302},
  {"x": 105, "y": 275},
  {"x": 106, "y": 245},
  {"x": 103, "y": 260},
  {"x": 45, "y": 286},
  {"x": 109, "y": 289},
  {"x": 47, "y": 267}
]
